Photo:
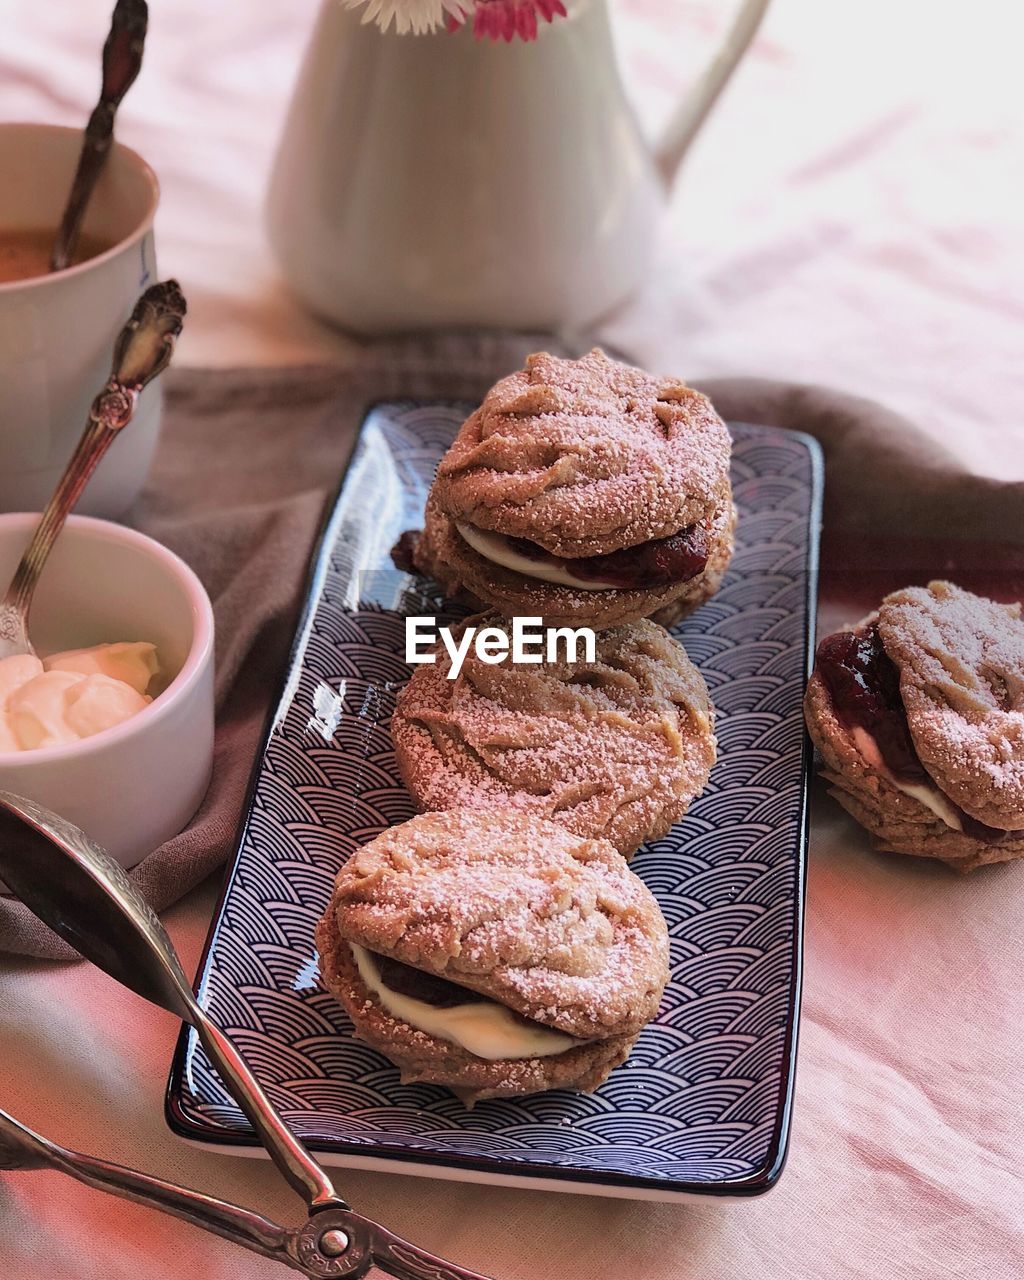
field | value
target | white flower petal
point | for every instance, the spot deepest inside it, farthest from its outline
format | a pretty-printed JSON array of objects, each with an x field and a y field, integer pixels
[{"x": 417, "y": 16}]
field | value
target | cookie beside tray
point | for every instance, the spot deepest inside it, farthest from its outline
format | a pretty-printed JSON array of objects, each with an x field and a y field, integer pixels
[{"x": 918, "y": 713}]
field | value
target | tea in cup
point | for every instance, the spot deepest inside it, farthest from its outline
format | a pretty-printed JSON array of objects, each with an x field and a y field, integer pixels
[{"x": 57, "y": 329}]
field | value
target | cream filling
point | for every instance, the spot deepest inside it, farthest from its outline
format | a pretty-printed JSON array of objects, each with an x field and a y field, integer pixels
[
  {"x": 930, "y": 796},
  {"x": 494, "y": 547},
  {"x": 484, "y": 1029}
]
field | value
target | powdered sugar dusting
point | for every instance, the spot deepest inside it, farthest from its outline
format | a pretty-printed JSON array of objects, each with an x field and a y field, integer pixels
[
  {"x": 587, "y": 456},
  {"x": 617, "y": 747},
  {"x": 554, "y": 926},
  {"x": 961, "y": 662}
]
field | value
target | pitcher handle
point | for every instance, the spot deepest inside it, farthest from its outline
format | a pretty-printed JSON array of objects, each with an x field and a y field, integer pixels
[{"x": 693, "y": 110}]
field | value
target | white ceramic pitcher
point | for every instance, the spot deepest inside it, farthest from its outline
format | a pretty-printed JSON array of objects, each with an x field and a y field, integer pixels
[{"x": 435, "y": 181}]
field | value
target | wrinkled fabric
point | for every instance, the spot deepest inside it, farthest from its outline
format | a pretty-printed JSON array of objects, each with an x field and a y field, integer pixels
[
  {"x": 851, "y": 218},
  {"x": 906, "y": 1109}
]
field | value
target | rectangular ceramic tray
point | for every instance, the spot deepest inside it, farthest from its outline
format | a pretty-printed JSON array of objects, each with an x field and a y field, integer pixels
[{"x": 703, "y": 1103}]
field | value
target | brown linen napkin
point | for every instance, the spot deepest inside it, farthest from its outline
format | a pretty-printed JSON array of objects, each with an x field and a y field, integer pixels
[
  {"x": 249, "y": 457},
  {"x": 899, "y": 510}
]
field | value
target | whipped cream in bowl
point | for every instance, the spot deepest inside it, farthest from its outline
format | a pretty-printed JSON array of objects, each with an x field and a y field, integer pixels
[
  {"x": 72, "y": 695},
  {"x": 110, "y": 722}
]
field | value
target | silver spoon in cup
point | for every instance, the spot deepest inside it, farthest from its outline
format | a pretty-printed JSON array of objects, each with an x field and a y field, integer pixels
[
  {"x": 122, "y": 58},
  {"x": 143, "y": 349}
]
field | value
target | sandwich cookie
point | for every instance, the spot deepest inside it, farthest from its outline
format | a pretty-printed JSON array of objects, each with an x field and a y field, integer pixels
[
  {"x": 918, "y": 714},
  {"x": 582, "y": 491},
  {"x": 614, "y": 748},
  {"x": 494, "y": 953}
]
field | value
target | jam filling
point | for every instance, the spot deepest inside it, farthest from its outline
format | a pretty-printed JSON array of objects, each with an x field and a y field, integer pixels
[
  {"x": 402, "y": 551},
  {"x": 658, "y": 563},
  {"x": 438, "y": 992},
  {"x": 864, "y": 687},
  {"x": 404, "y": 980}
]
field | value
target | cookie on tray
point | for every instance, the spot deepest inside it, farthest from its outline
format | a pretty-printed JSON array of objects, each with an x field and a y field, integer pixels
[
  {"x": 582, "y": 491},
  {"x": 918, "y": 714},
  {"x": 494, "y": 952},
  {"x": 617, "y": 747}
]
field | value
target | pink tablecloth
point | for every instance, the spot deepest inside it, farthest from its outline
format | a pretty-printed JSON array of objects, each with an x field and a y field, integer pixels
[{"x": 852, "y": 217}]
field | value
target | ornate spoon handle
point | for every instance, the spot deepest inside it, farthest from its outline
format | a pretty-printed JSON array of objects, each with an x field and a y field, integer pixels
[
  {"x": 71, "y": 884},
  {"x": 408, "y": 1261},
  {"x": 88, "y": 899},
  {"x": 122, "y": 58},
  {"x": 21, "y": 1148},
  {"x": 143, "y": 349}
]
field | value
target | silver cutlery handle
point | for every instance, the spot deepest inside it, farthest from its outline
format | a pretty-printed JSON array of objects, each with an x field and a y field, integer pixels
[
  {"x": 90, "y": 901},
  {"x": 143, "y": 349},
  {"x": 21, "y": 1148},
  {"x": 407, "y": 1261},
  {"x": 122, "y": 58},
  {"x": 287, "y": 1152}
]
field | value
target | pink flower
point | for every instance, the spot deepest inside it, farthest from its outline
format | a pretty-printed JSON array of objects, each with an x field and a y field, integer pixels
[
  {"x": 492, "y": 19},
  {"x": 506, "y": 19}
]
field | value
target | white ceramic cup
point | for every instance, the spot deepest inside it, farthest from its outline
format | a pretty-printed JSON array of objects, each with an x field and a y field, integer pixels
[
  {"x": 133, "y": 786},
  {"x": 57, "y": 331}
]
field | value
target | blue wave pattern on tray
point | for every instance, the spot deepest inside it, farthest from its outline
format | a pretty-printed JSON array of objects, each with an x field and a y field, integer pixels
[{"x": 703, "y": 1097}]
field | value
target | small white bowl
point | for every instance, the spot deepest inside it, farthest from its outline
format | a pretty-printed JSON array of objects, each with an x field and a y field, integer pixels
[{"x": 133, "y": 786}]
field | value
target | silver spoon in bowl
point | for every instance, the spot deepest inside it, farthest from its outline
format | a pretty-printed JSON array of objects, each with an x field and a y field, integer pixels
[
  {"x": 143, "y": 349},
  {"x": 85, "y": 897}
]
